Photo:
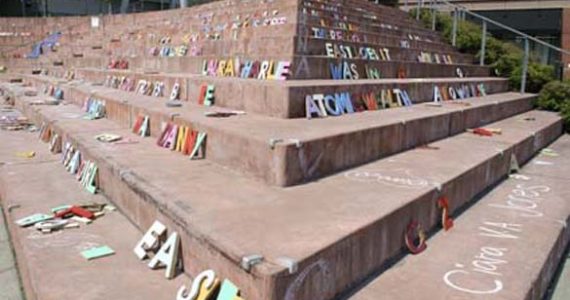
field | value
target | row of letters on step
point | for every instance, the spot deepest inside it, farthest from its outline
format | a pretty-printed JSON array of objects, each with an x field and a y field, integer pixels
[{"x": 339, "y": 103}]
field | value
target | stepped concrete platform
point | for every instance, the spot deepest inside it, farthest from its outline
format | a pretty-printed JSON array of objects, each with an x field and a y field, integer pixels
[
  {"x": 51, "y": 264},
  {"x": 326, "y": 201},
  {"x": 384, "y": 132},
  {"x": 507, "y": 246},
  {"x": 358, "y": 232},
  {"x": 387, "y": 28}
]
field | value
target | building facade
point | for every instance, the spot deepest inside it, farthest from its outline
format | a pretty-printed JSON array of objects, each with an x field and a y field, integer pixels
[
  {"x": 30, "y": 8},
  {"x": 547, "y": 20}
]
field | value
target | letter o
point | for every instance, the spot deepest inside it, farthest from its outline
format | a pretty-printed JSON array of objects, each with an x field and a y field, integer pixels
[{"x": 329, "y": 104}]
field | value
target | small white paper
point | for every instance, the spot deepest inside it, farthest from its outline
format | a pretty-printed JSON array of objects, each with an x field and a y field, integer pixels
[{"x": 95, "y": 22}]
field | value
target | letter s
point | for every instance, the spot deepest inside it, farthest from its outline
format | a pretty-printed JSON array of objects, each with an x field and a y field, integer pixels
[{"x": 205, "y": 282}]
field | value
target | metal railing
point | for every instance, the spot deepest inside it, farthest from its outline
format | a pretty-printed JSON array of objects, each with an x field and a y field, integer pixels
[{"x": 459, "y": 12}]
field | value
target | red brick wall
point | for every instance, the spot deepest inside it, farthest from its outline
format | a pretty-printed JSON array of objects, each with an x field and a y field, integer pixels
[{"x": 566, "y": 40}]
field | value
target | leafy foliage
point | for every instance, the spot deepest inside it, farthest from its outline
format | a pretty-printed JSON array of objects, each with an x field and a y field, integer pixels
[
  {"x": 505, "y": 58},
  {"x": 555, "y": 96}
]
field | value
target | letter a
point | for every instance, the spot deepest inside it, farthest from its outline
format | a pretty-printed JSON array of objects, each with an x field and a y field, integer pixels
[{"x": 167, "y": 255}]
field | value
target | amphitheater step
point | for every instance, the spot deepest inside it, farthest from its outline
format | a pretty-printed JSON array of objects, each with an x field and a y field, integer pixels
[
  {"x": 358, "y": 231},
  {"x": 384, "y": 132},
  {"x": 51, "y": 265},
  {"x": 285, "y": 99},
  {"x": 507, "y": 246}
]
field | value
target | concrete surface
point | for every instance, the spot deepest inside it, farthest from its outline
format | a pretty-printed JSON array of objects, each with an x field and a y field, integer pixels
[
  {"x": 507, "y": 246},
  {"x": 561, "y": 289},
  {"x": 51, "y": 264},
  {"x": 222, "y": 225},
  {"x": 10, "y": 289}
]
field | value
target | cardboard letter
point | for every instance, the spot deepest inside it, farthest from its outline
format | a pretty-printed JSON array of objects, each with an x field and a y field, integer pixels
[
  {"x": 311, "y": 107},
  {"x": 150, "y": 240},
  {"x": 167, "y": 255},
  {"x": 202, "y": 287}
]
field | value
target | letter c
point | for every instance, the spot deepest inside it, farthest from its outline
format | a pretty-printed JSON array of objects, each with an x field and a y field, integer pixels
[{"x": 447, "y": 276}]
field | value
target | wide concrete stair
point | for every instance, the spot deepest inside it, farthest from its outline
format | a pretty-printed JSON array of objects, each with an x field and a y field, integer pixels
[
  {"x": 357, "y": 233},
  {"x": 330, "y": 144},
  {"x": 325, "y": 201}
]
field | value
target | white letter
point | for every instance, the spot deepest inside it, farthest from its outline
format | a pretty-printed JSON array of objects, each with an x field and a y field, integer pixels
[
  {"x": 167, "y": 255},
  {"x": 150, "y": 239}
]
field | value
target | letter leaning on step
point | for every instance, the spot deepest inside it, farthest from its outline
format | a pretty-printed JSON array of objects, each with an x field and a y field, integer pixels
[
  {"x": 263, "y": 70},
  {"x": 336, "y": 71},
  {"x": 436, "y": 94},
  {"x": 202, "y": 287},
  {"x": 150, "y": 240},
  {"x": 283, "y": 70},
  {"x": 311, "y": 107},
  {"x": 246, "y": 69},
  {"x": 209, "y": 97},
  {"x": 320, "y": 101},
  {"x": 330, "y": 106},
  {"x": 228, "y": 291},
  {"x": 167, "y": 255},
  {"x": 343, "y": 102},
  {"x": 406, "y": 98},
  {"x": 398, "y": 94},
  {"x": 329, "y": 49}
]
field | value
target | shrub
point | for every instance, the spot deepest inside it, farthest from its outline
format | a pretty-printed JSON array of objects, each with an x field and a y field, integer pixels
[
  {"x": 555, "y": 96},
  {"x": 537, "y": 76},
  {"x": 505, "y": 58}
]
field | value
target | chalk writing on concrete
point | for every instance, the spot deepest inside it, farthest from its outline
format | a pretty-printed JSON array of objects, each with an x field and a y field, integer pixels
[
  {"x": 483, "y": 274},
  {"x": 321, "y": 268},
  {"x": 399, "y": 178}
]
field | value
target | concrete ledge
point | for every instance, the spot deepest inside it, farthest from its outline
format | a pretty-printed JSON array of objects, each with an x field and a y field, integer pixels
[{"x": 383, "y": 132}]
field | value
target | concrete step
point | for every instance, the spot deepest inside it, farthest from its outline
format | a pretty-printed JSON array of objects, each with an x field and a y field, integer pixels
[
  {"x": 506, "y": 246},
  {"x": 51, "y": 265},
  {"x": 357, "y": 231},
  {"x": 285, "y": 99},
  {"x": 384, "y": 132}
]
